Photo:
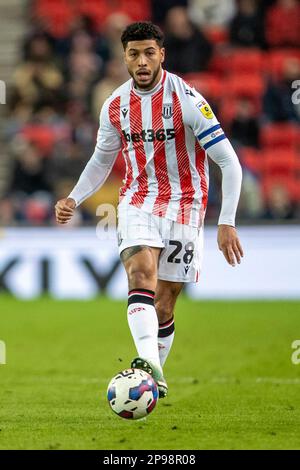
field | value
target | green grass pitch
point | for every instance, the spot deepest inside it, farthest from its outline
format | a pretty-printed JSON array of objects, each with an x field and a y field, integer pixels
[{"x": 231, "y": 379}]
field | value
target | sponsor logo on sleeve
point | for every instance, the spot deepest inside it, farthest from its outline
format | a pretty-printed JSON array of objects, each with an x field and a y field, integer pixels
[{"x": 205, "y": 109}]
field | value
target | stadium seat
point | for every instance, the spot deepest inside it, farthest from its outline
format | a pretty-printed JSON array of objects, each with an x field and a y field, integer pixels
[
  {"x": 100, "y": 10},
  {"x": 206, "y": 83},
  {"x": 251, "y": 159},
  {"x": 227, "y": 111},
  {"x": 218, "y": 64},
  {"x": 275, "y": 61},
  {"x": 280, "y": 163},
  {"x": 137, "y": 10},
  {"x": 283, "y": 25},
  {"x": 283, "y": 135},
  {"x": 97, "y": 10},
  {"x": 58, "y": 15},
  {"x": 216, "y": 34},
  {"x": 40, "y": 135},
  {"x": 291, "y": 183},
  {"x": 229, "y": 105},
  {"x": 245, "y": 86},
  {"x": 246, "y": 61}
]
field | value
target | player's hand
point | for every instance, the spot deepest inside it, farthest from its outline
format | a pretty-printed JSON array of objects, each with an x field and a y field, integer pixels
[
  {"x": 229, "y": 244},
  {"x": 64, "y": 210}
]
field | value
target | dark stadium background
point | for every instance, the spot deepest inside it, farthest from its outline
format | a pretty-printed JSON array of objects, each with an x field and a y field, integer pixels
[{"x": 61, "y": 59}]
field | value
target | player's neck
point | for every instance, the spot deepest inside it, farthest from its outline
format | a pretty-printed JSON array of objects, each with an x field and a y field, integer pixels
[{"x": 154, "y": 85}]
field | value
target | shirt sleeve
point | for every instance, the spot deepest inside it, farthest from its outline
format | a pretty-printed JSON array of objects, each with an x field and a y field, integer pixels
[
  {"x": 101, "y": 162},
  {"x": 208, "y": 131}
]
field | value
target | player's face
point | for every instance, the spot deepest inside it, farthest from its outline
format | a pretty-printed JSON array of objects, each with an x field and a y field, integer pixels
[{"x": 143, "y": 60}]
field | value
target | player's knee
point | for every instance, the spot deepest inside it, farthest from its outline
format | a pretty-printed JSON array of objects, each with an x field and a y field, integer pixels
[{"x": 140, "y": 278}]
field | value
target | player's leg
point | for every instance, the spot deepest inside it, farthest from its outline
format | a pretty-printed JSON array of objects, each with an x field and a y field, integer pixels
[
  {"x": 179, "y": 263},
  {"x": 140, "y": 243},
  {"x": 140, "y": 263},
  {"x": 165, "y": 300}
]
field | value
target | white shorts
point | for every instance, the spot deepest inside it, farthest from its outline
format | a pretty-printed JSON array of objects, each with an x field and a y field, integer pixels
[{"x": 182, "y": 245}]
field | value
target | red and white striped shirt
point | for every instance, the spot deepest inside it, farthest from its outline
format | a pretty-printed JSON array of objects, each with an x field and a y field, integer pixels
[{"x": 165, "y": 135}]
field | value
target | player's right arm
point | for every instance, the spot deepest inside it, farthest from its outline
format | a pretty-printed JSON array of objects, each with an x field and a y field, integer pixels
[{"x": 97, "y": 169}]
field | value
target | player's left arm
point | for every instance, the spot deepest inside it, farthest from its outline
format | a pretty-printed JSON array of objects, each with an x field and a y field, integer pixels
[
  {"x": 212, "y": 139},
  {"x": 223, "y": 154}
]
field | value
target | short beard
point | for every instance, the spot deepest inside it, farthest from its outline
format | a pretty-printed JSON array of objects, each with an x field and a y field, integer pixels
[{"x": 149, "y": 86}]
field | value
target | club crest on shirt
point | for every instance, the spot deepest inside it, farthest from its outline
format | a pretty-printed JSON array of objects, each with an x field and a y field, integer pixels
[
  {"x": 167, "y": 110},
  {"x": 205, "y": 109}
]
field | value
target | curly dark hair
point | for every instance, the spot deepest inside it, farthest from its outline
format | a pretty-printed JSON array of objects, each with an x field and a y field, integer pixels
[{"x": 140, "y": 31}]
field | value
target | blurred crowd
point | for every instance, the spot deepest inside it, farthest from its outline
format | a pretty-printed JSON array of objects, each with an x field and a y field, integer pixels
[{"x": 242, "y": 55}]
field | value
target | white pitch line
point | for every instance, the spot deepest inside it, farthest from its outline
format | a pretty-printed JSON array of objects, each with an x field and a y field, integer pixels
[
  {"x": 219, "y": 380},
  {"x": 258, "y": 380},
  {"x": 181, "y": 380}
]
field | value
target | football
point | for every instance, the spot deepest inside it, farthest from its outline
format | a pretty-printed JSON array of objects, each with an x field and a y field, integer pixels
[{"x": 132, "y": 394}]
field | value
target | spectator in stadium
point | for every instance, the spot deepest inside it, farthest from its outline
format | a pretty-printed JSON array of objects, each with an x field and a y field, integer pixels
[
  {"x": 37, "y": 40},
  {"x": 19, "y": 116},
  {"x": 113, "y": 27},
  {"x": 36, "y": 209},
  {"x": 244, "y": 128},
  {"x": 279, "y": 205},
  {"x": 188, "y": 50},
  {"x": 29, "y": 173},
  {"x": 78, "y": 89},
  {"x": 83, "y": 129},
  {"x": 83, "y": 62},
  {"x": 65, "y": 166},
  {"x": 116, "y": 74},
  {"x": 160, "y": 9},
  {"x": 7, "y": 212},
  {"x": 247, "y": 27},
  {"x": 278, "y": 102},
  {"x": 83, "y": 68},
  {"x": 66, "y": 105},
  {"x": 211, "y": 12},
  {"x": 251, "y": 204},
  {"x": 283, "y": 24},
  {"x": 38, "y": 78},
  {"x": 83, "y": 24}
]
